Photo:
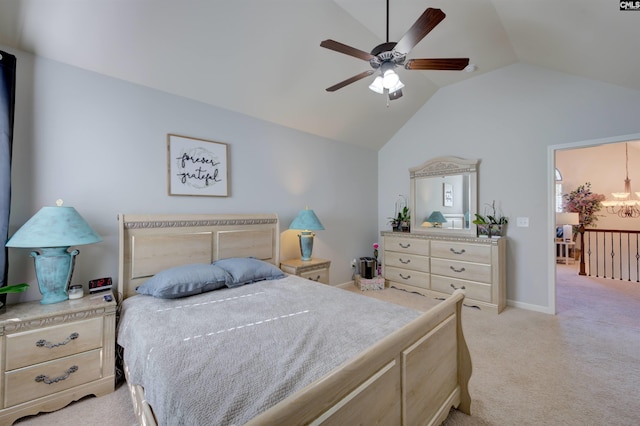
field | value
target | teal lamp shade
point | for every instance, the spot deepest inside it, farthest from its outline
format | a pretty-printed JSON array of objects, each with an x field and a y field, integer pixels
[
  {"x": 436, "y": 219},
  {"x": 52, "y": 231},
  {"x": 306, "y": 221}
]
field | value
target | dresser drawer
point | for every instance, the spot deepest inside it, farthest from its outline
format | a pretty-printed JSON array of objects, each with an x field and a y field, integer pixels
[
  {"x": 473, "y": 290},
  {"x": 33, "y": 382},
  {"x": 45, "y": 344},
  {"x": 319, "y": 275},
  {"x": 407, "y": 261},
  {"x": 407, "y": 245},
  {"x": 405, "y": 276},
  {"x": 461, "y": 270},
  {"x": 461, "y": 251}
]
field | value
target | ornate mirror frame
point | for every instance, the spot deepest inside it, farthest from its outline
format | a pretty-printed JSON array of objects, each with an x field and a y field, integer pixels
[{"x": 448, "y": 185}]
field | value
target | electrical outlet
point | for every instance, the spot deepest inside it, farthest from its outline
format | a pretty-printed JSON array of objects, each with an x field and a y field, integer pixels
[{"x": 353, "y": 263}]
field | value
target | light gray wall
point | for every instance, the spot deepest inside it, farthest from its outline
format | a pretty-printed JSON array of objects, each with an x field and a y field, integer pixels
[
  {"x": 100, "y": 145},
  {"x": 508, "y": 118}
]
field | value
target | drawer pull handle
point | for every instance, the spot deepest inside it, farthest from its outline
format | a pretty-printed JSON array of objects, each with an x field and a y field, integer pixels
[
  {"x": 457, "y": 252},
  {"x": 456, "y": 288},
  {"x": 315, "y": 279},
  {"x": 43, "y": 343},
  {"x": 405, "y": 262},
  {"x": 457, "y": 270},
  {"x": 50, "y": 381},
  {"x": 405, "y": 278},
  {"x": 404, "y": 246}
]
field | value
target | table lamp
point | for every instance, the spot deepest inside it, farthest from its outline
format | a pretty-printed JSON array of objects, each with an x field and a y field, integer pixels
[
  {"x": 436, "y": 219},
  {"x": 306, "y": 221},
  {"x": 52, "y": 231},
  {"x": 567, "y": 220}
]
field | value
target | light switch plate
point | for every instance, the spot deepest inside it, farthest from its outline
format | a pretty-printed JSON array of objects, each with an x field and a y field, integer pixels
[{"x": 522, "y": 222}]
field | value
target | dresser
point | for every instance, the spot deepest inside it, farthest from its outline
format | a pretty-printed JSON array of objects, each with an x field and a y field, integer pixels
[
  {"x": 315, "y": 269},
  {"x": 54, "y": 354},
  {"x": 436, "y": 265}
]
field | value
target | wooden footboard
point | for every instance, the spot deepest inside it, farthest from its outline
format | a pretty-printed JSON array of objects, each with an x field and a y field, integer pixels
[{"x": 413, "y": 376}]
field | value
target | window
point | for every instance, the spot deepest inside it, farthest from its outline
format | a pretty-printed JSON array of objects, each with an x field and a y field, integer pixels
[{"x": 558, "y": 191}]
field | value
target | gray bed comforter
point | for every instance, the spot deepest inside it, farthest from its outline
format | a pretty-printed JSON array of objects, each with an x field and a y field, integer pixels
[{"x": 223, "y": 357}]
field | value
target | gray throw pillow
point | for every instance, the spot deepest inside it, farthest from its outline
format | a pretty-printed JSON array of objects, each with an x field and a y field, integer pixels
[
  {"x": 247, "y": 270},
  {"x": 185, "y": 280}
]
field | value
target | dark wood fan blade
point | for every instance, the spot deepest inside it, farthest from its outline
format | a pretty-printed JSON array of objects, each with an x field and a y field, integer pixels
[
  {"x": 349, "y": 81},
  {"x": 347, "y": 50},
  {"x": 425, "y": 23},
  {"x": 451, "y": 64}
]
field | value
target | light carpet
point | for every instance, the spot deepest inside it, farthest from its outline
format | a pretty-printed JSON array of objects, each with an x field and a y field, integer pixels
[{"x": 579, "y": 367}]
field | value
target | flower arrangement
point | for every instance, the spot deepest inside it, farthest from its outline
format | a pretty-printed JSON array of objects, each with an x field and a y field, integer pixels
[
  {"x": 584, "y": 202},
  {"x": 375, "y": 256}
]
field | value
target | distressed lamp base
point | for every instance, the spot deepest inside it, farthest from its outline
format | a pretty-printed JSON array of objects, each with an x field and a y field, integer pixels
[
  {"x": 54, "y": 267},
  {"x": 306, "y": 244}
]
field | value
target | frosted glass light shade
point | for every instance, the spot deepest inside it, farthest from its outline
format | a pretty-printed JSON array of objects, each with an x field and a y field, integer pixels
[
  {"x": 377, "y": 86},
  {"x": 390, "y": 79}
]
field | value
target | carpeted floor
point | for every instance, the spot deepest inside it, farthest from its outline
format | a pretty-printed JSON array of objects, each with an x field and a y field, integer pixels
[{"x": 579, "y": 367}]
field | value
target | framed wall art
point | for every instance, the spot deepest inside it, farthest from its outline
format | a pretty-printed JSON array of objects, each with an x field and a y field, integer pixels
[
  {"x": 447, "y": 194},
  {"x": 197, "y": 167}
]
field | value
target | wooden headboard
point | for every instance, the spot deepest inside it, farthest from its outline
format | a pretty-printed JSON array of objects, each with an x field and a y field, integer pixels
[{"x": 150, "y": 243}]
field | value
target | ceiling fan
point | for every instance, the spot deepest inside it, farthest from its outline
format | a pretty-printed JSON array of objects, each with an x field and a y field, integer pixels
[{"x": 389, "y": 55}]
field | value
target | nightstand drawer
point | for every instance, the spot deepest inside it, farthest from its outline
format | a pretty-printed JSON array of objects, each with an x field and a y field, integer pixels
[
  {"x": 33, "y": 347},
  {"x": 404, "y": 276},
  {"x": 319, "y": 275},
  {"x": 26, "y": 384}
]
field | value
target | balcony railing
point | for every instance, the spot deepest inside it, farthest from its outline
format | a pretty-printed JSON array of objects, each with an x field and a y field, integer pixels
[{"x": 610, "y": 253}]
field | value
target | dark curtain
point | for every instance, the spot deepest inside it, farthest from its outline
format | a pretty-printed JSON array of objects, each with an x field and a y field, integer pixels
[{"x": 7, "y": 103}]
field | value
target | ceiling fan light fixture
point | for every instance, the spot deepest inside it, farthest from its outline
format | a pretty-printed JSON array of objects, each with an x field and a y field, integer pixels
[
  {"x": 390, "y": 79},
  {"x": 377, "y": 86},
  {"x": 397, "y": 87}
]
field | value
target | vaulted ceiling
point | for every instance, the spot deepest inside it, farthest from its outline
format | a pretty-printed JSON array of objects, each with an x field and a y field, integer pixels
[{"x": 263, "y": 58}]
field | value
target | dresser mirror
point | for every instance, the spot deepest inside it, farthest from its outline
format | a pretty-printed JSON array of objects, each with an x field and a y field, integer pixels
[{"x": 444, "y": 196}]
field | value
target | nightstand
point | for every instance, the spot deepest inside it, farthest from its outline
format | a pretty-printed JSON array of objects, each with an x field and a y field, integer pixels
[
  {"x": 55, "y": 354},
  {"x": 314, "y": 269}
]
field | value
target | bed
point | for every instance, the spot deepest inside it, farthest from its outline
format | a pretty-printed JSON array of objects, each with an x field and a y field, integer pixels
[{"x": 340, "y": 358}]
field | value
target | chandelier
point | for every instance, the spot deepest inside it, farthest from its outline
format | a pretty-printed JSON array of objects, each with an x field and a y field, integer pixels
[{"x": 623, "y": 204}]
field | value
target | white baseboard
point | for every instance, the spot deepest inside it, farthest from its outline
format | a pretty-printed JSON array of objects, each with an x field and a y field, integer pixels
[{"x": 530, "y": 307}]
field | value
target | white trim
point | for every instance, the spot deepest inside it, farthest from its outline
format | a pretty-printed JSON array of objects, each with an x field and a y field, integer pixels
[{"x": 529, "y": 307}]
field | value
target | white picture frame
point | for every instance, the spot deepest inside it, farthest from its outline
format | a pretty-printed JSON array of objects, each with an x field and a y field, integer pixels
[{"x": 197, "y": 167}]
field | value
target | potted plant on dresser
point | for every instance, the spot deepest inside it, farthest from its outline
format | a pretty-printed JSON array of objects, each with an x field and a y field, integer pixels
[
  {"x": 401, "y": 223},
  {"x": 492, "y": 225}
]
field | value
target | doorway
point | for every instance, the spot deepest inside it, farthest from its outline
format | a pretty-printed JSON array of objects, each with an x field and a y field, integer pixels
[{"x": 551, "y": 202}]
